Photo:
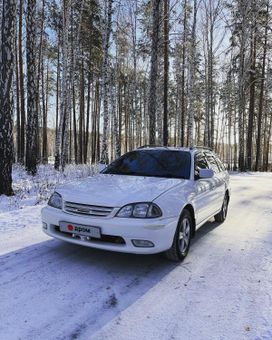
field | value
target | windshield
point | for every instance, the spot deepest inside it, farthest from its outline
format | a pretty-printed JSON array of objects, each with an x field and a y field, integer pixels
[{"x": 153, "y": 163}]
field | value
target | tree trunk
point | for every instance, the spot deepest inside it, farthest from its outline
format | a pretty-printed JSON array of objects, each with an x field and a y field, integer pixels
[
  {"x": 18, "y": 113},
  {"x": 81, "y": 115},
  {"x": 234, "y": 168},
  {"x": 192, "y": 69},
  {"x": 105, "y": 80},
  {"x": 74, "y": 124},
  {"x": 6, "y": 74},
  {"x": 166, "y": 72},
  {"x": 45, "y": 108},
  {"x": 61, "y": 149},
  {"x": 40, "y": 71},
  {"x": 251, "y": 99},
  {"x": 57, "y": 94},
  {"x": 261, "y": 97},
  {"x": 86, "y": 144},
  {"x": 244, "y": 9},
  {"x": 183, "y": 99},
  {"x": 152, "y": 102},
  {"x": 32, "y": 112},
  {"x": 21, "y": 80}
]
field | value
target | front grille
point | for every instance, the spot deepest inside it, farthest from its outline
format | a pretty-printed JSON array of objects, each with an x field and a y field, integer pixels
[{"x": 85, "y": 209}]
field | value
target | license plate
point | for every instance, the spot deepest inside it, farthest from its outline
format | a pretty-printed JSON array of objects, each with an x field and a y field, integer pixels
[{"x": 80, "y": 229}]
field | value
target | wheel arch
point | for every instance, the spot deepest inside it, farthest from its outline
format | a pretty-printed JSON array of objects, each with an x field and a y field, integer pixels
[{"x": 191, "y": 210}]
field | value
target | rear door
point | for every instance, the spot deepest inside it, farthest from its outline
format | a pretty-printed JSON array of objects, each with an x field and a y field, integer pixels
[
  {"x": 223, "y": 173},
  {"x": 218, "y": 182}
]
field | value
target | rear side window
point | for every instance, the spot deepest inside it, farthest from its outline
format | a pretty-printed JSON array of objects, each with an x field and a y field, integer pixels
[{"x": 212, "y": 163}]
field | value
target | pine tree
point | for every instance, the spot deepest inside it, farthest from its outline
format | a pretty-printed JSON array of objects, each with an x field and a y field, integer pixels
[
  {"x": 61, "y": 147},
  {"x": 183, "y": 76},
  {"x": 105, "y": 80},
  {"x": 6, "y": 75},
  {"x": 32, "y": 110},
  {"x": 21, "y": 136},
  {"x": 152, "y": 102},
  {"x": 166, "y": 72},
  {"x": 191, "y": 80},
  {"x": 262, "y": 88}
]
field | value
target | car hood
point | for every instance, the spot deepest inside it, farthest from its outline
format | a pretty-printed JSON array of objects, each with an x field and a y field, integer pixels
[{"x": 116, "y": 190}]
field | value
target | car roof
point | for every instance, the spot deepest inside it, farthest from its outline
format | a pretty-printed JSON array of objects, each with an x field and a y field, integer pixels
[{"x": 192, "y": 149}]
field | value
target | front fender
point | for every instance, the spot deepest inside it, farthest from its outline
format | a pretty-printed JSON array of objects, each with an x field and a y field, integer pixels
[{"x": 173, "y": 202}]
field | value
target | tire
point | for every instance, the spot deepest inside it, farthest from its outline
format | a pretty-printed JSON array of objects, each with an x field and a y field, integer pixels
[
  {"x": 221, "y": 216},
  {"x": 181, "y": 244}
]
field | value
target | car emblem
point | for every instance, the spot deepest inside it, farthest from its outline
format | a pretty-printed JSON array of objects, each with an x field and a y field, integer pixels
[{"x": 70, "y": 227}]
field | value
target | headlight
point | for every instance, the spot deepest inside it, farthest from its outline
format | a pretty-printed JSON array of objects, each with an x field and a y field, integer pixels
[
  {"x": 55, "y": 201},
  {"x": 140, "y": 210}
]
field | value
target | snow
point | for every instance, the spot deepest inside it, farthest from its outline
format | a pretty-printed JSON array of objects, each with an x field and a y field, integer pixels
[
  {"x": 36, "y": 190},
  {"x": 55, "y": 290}
]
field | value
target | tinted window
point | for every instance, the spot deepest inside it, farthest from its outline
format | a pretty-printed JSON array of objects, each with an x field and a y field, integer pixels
[
  {"x": 212, "y": 163},
  {"x": 153, "y": 163}
]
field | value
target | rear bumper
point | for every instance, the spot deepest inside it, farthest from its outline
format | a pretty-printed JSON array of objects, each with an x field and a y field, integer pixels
[{"x": 158, "y": 231}]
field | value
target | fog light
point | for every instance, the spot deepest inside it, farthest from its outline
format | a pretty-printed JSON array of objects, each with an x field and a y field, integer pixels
[
  {"x": 44, "y": 225},
  {"x": 142, "y": 243}
]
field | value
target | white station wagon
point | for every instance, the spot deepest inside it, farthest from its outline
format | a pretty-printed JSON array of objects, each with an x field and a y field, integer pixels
[{"x": 150, "y": 200}]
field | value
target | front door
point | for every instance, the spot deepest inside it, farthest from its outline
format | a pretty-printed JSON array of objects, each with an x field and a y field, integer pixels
[{"x": 205, "y": 190}]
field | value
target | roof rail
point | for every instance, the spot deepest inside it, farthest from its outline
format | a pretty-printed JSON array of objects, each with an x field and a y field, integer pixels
[
  {"x": 201, "y": 147},
  {"x": 151, "y": 146}
]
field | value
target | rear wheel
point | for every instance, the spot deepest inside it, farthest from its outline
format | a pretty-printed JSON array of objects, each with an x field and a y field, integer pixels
[
  {"x": 182, "y": 239},
  {"x": 221, "y": 216}
]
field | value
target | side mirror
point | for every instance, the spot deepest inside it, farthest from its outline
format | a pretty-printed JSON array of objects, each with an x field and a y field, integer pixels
[{"x": 206, "y": 173}]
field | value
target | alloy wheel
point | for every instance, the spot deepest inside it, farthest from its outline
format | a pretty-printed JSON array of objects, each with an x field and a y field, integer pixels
[{"x": 184, "y": 235}]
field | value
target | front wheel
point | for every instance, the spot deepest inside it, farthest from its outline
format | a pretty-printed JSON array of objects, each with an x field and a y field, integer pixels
[
  {"x": 221, "y": 216},
  {"x": 182, "y": 239}
]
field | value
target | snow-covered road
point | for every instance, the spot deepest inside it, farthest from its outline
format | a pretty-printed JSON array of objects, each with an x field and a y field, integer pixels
[{"x": 223, "y": 290}]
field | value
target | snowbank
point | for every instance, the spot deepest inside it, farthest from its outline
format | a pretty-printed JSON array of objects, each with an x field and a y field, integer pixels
[{"x": 33, "y": 190}]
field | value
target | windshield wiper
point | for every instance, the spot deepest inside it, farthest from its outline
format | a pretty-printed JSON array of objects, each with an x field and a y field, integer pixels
[
  {"x": 134, "y": 173},
  {"x": 169, "y": 176},
  {"x": 112, "y": 172}
]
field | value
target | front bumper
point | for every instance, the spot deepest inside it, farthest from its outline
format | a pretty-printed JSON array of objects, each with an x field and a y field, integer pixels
[{"x": 159, "y": 231}]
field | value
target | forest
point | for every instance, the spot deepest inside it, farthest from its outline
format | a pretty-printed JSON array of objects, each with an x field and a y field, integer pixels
[{"x": 84, "y": 81}]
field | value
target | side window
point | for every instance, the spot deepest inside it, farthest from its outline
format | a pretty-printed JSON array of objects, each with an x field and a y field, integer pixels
[
  {"x": 212, "y": 163},
  {"x": 200, "y": 163},
  {"x": 220, "y": 164}
]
